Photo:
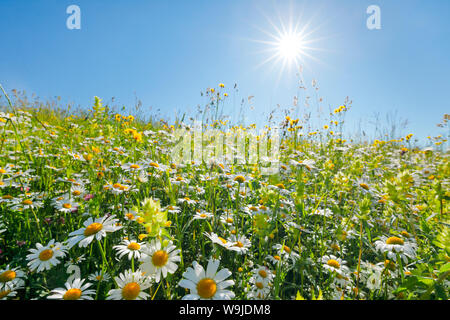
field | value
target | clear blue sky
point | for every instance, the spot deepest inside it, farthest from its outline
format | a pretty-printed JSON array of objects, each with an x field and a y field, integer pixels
[{"x": 167, "y": 52}]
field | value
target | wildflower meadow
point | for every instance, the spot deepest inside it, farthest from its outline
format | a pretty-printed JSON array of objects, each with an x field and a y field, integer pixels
[{"x": 96, "y": 205}]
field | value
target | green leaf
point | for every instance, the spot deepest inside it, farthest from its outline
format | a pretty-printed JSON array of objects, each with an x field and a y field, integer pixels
[{"x": 445, "y": 268}]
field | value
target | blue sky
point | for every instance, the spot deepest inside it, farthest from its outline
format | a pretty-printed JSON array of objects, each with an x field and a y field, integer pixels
[{"x": 166, "y": 52}]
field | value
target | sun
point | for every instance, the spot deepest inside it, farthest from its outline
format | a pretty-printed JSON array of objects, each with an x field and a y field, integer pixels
[
  {"x": 290, "y": 43},
  {"x": 290, "y": 46}
]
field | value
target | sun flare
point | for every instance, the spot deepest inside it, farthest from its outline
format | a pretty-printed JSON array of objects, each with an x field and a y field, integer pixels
[{"x": 290, "y": 46}]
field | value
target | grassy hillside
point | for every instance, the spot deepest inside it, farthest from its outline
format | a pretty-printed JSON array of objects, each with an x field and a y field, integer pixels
[{"x": 94, "y": 197}]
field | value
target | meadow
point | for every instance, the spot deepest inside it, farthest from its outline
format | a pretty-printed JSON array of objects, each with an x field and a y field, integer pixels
[{"x": 94, "y": 207}]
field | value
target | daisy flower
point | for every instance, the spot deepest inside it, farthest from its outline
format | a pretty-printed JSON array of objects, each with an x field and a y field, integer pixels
[
  {"x": 160, "y": 259},
  {"x": 8, "y": 293},
  {"x": 263, "y": 274},
  {"x": 202, "y": 215},
  {"x": 66, "y": 205},
  {"x": 74, "y": 290},
  {"x": 209, "y": 284},
  {"x": 131, "y": 247},
  {"x": 285, "y": 252},
  {"x": 227, "y": 219},
  {"x": 93, "y": 229},
  {"x": 131, "y": 286},
  {"x": 173, "y": 209},
  {"x": 218, "y": 240},
  {"x": 239, "y": 244},
  {"x": 334, "y": 264},
  {"x": 97, "y": 276},
  {"x": 45, "y": 257},
  {"x": 11, "y": 278},
  {"x": 393, "y": 245},
  {"x": 260, "y": 289},
  {"x": 77, "y": 191},
  {"x": 26, "y": 203},
  {"x": 187, "y": 200},
  {"x": 132, "y": 167}
]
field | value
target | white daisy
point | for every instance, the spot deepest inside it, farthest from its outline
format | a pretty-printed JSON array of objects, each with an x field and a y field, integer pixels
[
  {"x": 260, "y": 289},
  {"x": 202, "y": 215},
  {"x": 133, "y": 248},
  {"x": 44, "y": 258},
  {"x": 74, "y": 290},
  {"x": 218, "y": 240},
  {"x": 11, "y": 278},
  {"x": 239, "y": 244},
  {"x": 131, "y": 286},
  {"x": 286, "y": 253},
  {"x": 393, "y": 245},
  {"x": 66, "y": 205},
  {"x": 334, "y": 264},
  {"x": 93, "y": 229},
  {"x": 160, "y": 259},
  {"x": 263, "y": 274},
  {"x": 209, "y": 284},
  {"x": 97, "y": 276}
]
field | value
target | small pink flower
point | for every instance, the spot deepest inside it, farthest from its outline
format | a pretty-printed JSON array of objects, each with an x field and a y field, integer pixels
[{"x": 88, "y": 197}]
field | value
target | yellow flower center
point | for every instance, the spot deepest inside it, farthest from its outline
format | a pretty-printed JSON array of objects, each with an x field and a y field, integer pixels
[
  {"x": 153, "y": 164},
  {"x": 134, "y": 246},
  {"x": 262, "y": 273},
  {"x": 394, "y": 240},
  {"x": 405, "y": 234},
  {"x": 134, "y": 166},
  {"x": 2, "y": 171},
  {"x": 364, "y": 186},
  {"x": 67, "y": 205},
  {"x": 287, "y": 249},
  {"x": 131, "y": 290},
  {"x": 239, "y": 244},
  {"x": 333, "y": 263},
  {"x": 239, "y": 179},
  {"x": 229, "y": 220},
  {"x": 223, "y": 240},
  {"x": 160, "y": 258},
  {"x": 76, "y": 192},
  {"x": 203, "y": 215},
  {"x": 93, "y": 229},
  {"x": 46, "y": 254},
  {"x": 1, "y": 183},
  {"x": 7, "y": 196},
  {"x": 7, "y": 276},
  {"x": 206, "y": 288},
  {"x": 4, "y": 293},
  {"x": 72, "y": 294},
  {"x": 27, "y": 202},
  {"x": 259, "y": 285},
  {"x": 335, "y": 247},
  {"x": 277, "y": 258},
  {"x": 280, "y": 185}
]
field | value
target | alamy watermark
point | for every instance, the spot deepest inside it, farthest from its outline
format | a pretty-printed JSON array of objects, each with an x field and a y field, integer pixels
[
  {"x": 74, "y": 20},
  {"x": 236, "y": 146},
  {"x": 374, "y": 20}
]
